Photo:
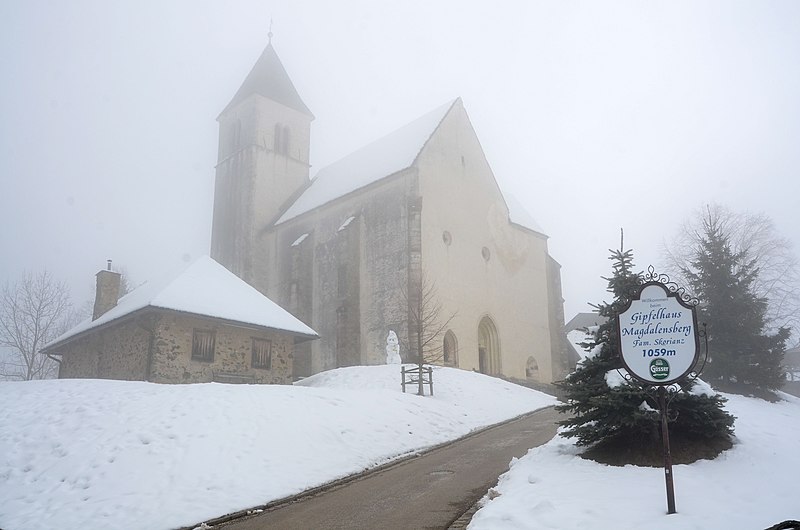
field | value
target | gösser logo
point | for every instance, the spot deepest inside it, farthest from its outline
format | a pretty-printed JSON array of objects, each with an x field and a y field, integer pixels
[{"x": 659, "y": 369}]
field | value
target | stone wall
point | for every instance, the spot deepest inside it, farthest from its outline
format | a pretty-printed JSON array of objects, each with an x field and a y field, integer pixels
[
  {"x": 121, "y": 351},
  {"x": 341, "y": 270},
  {"x": 173, "y": 363},
  {"x": 79, "y": 358},
  {"x": 385, "y": 265},
  {"x": 114, "y": 352},
  {"x": 558, "y": 337}
]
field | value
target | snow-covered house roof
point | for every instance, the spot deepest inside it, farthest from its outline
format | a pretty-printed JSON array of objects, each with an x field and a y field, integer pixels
[
  {"x": 205, "y": 288},
  {"x": 386, "y": 156}
]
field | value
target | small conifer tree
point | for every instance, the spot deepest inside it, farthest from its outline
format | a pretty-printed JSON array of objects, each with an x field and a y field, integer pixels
[{"x": 624, "y": 413}]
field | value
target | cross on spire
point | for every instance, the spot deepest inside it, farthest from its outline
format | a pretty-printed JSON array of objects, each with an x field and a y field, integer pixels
[{"x": 269, "y": 35}]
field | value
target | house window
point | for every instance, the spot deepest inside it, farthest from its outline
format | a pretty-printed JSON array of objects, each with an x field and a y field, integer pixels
[
  {"x": 262, "y": 354},
  {"x": 203, "y": 342}
]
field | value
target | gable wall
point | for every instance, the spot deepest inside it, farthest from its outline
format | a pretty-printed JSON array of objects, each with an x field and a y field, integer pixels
[{"x": 511, "y": 287}]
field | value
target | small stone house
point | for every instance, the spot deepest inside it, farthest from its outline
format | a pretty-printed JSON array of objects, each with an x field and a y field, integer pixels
[{"x": 203, "y": 324}]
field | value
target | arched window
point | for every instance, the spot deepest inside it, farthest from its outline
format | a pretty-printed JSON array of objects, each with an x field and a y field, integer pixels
[{"x": 450, "y": 349}]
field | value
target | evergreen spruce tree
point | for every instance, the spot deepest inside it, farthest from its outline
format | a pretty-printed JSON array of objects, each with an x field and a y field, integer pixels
[
  {"x": 741, "y": 356},
  {"x": 624, "y": 415}
]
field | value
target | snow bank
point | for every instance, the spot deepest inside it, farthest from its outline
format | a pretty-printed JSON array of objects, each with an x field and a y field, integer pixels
[
  {"x": 96, "y": 454},
  {"x": 753, "y": 485}
]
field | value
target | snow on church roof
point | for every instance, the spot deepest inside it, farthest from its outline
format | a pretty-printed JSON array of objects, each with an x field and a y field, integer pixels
[
  {"x": 381, "y": 158},
  {"x": 518, "y": 214},
  {"x": 386, "y": 156},
  {"x": 204, "y": 288}
]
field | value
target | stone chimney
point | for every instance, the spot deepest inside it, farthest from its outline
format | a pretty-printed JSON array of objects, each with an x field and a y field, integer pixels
[{"x": 107, "y": 291}]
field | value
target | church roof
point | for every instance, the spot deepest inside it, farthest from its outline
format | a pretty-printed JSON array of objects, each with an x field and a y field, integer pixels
[
  {"x": 269, "y": 78},
  {"x": 381, "y": 158},
  {"x": 519, "y": 215},
  {"x": 205, "y": 288}
]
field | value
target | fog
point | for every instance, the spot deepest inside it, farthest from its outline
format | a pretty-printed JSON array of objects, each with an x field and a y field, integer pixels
[{"x": 595, "y": 116}]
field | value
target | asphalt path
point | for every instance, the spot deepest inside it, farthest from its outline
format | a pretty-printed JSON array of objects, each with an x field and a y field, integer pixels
[{"x": 426, "y": 492}]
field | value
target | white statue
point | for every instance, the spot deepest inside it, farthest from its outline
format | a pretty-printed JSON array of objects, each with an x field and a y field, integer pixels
[{"x": 393, "y": 349}]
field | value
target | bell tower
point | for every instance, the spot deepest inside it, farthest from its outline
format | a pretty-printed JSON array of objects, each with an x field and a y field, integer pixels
[{"x": 262, "y": 161}]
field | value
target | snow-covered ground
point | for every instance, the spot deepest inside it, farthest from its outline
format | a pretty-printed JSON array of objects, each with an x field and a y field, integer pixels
[
  {"x": 96, "y": 454},
  {"x": 751, "y": 486}
]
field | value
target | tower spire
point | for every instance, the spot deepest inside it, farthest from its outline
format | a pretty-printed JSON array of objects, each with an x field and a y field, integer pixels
[{"x": 269, "y": 35}]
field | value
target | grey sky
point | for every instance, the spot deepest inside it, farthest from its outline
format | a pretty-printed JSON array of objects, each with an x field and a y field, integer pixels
[{"x": 594, "y": 115}]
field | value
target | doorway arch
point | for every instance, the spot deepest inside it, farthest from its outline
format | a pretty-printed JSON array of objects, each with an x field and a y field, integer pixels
[
  {"x": 488, "y": 348},
  {"x": 532, "y": 369}
]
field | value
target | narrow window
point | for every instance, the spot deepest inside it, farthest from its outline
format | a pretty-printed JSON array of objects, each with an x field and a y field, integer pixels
[
  {"x": 341, "y": 284},
  {"x": 286, "y": 137},
  {"x": 203, "y": 341},
  {"x": 281, "y": 140},
  {"x": 262, "y": 353},
  {"x": 278, "y": 140}
]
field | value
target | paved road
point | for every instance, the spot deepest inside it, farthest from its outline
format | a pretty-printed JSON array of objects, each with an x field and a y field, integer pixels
[{"x": 428, "y": 492}]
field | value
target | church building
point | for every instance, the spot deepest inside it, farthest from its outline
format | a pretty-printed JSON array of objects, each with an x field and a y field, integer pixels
[{"x": 348, "y": 251}]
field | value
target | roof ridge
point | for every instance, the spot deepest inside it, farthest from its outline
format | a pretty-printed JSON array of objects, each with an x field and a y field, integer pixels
[{"x": 394, "y": 158}]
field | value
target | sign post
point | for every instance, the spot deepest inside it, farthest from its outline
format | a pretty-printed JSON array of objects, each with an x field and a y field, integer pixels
[{"x": 659, "y": 346}]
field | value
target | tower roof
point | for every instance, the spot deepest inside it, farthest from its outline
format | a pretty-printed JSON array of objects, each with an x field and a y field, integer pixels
[{"x": 269, "y": 78}]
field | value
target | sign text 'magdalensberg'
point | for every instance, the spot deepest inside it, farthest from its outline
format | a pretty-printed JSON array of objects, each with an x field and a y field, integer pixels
[{"x": 658, "y": 336}]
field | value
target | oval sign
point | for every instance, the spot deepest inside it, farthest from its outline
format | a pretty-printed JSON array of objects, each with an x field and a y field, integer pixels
[{"x": 658, "y": 338}]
